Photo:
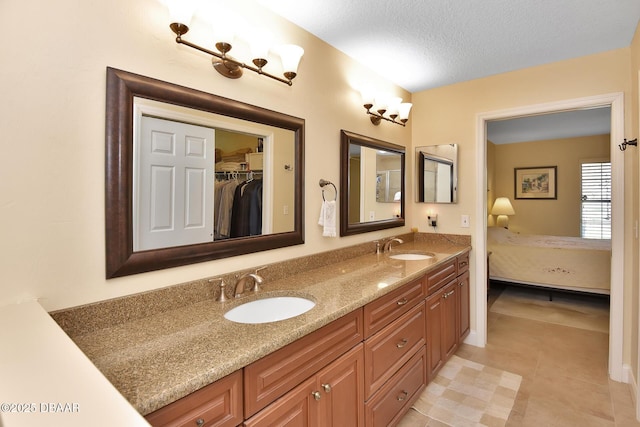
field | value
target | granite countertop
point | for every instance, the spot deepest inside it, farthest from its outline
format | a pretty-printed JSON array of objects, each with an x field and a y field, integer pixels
[{"x": 158, "y": 359}]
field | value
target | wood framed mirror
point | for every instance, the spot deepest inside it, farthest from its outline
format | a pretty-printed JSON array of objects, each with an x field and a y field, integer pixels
[
  {"x": 372, "y": 178},
  {"x": 130, "y": 99},
  {"x": 437, "y": 173}
]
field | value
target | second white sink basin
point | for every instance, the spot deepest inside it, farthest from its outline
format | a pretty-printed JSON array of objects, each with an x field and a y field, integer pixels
[
  {"x": 269, "y": 310},
  {"x": 411, "y": 257}
]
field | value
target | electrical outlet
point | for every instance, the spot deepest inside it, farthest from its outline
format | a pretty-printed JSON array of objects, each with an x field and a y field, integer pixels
[
  {"x": 464, "y": 221},
  {"x": 432, "y": 220},
  {"x": 372, "y": 215}
]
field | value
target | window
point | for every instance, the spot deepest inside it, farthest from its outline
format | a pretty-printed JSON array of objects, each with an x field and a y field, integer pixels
[{"x": 595, "y": 215}]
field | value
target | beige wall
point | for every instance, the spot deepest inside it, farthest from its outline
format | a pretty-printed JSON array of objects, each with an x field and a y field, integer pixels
[
  {"x": 560, "y": 217},
  {"x": 449, "y": 115},
  {"x": 53, "y": 121}
]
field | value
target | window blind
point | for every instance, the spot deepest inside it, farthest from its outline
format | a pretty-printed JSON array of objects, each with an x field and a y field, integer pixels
[{"x": 596, "y": 200}]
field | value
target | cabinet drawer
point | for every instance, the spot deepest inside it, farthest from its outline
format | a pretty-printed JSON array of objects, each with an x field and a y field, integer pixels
[
  {"x": 384, "y": 310},
  {"x": 218, "y": 404},
  {"x": 272, "y": 376},
  {"x": 389, "y": 349},
  {"x": 463, "y": 263},
  {"x": 440, "y": 277},
  {"x": 396, "y": 397}
]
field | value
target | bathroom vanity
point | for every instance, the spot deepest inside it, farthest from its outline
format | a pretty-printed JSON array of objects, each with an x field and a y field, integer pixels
[{"x": 381, "y": 327}]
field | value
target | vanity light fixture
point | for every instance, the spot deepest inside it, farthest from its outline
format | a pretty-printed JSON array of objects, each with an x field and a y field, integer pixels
[
  {"x": 228, "y": 66},
  {"x": 387, "y": 108}
]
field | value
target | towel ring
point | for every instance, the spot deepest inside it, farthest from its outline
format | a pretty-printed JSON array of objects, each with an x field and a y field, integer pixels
[{"x": 324, "y": 183}]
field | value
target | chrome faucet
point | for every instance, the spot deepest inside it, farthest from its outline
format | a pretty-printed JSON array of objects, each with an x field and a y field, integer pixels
[
  {"x": 240, "y": 288},
  {"x": 387, "y": 244}
]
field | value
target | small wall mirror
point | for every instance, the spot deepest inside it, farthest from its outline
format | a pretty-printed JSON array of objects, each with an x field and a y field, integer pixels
[
  {"x": 173, "y": 156},
  {"x": 372, "y": 184},
  {"x": 437, "y": 173}
]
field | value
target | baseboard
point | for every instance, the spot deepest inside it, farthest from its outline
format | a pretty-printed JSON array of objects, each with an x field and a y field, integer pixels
[
  {"x": 472, "y": 339},
  {"x": 629, "y": 378}
]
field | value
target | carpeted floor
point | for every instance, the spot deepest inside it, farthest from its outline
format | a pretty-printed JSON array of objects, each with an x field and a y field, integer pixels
[
  {"x": 465, "y": 393},
  {"x": 575, "y": 310}
]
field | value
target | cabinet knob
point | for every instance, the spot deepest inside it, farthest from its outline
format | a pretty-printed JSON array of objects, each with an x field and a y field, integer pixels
[
  {"x": 403, "y": 301},
  {"x": 402, "y": 343},
  {"x": 402, "y": 396},
  {"x": 316, "y": 395},
  {"x": 200, "y": 422},
  {"x": 326, "y": 387}
]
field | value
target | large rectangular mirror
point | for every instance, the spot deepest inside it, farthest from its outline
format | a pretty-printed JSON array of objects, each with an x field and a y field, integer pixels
[
  {"x": 437, "y": 173},
  {"x": 371, "y": 184},
  {"x": 193, "y": 177}
]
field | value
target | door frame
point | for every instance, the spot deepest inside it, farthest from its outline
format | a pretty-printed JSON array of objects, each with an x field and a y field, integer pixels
[{"x": 617, "y": 371}]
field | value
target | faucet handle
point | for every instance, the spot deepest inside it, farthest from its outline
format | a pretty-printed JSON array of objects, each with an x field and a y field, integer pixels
[{"x": 222, "y": 297}]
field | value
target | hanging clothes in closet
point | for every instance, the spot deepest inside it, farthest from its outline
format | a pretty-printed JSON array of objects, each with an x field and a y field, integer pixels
[
  {"x": 246, "y": 219},
  {"x": 223, "y": 203}
]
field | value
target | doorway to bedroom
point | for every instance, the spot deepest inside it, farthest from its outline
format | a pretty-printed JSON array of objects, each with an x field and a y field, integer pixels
[{"x": 528, "y": 186}]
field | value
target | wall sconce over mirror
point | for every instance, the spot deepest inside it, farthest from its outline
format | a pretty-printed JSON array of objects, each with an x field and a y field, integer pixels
[
  {"x": 437, "y": 173},
  {"x": 181, "y": 13},
  {"x": 384, "y": 107},
  {"x": 371, "y": 184}
]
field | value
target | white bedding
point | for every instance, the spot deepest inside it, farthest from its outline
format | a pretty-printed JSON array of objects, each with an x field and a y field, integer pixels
[{"x": 552, "y": 261}]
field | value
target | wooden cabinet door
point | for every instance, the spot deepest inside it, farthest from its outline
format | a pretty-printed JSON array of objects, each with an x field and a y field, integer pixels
[
  {"x": 297, "y": 408},
  {"x": 435, "y": 354},
  {"x": 463, "y": 306},
  {"x": 450, "y": 323},
  {"x": 334, "y": 397},
  {"x": 341, "y": 387},
  {"x": 442, "y": 327},
  {"x": 269, "y": 378}
]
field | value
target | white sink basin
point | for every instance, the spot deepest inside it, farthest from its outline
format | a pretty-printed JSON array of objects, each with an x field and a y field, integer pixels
[
  {"x": 269, "y": 310},
  {"x": 411, "y": 257}
]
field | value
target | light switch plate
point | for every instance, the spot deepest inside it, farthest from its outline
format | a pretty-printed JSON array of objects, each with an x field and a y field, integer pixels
[{"x": 464, "y": 221}]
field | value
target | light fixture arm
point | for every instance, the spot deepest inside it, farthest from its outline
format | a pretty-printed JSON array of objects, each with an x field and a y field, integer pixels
[
  {"x": 232, "y": 66},
  {"x": 376, "y": 117}
]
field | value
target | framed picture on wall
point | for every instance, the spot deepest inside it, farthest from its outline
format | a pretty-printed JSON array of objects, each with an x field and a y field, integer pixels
[{"x": 536, "y": 183}]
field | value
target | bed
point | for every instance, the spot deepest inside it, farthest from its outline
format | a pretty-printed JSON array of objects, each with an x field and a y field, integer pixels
[{"x": 566, "y": 263}]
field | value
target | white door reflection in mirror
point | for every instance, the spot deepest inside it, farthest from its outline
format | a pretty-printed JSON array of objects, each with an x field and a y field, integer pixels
[
  {"x": 174, "y": 195},
  {"x": 200, "y": 177}
]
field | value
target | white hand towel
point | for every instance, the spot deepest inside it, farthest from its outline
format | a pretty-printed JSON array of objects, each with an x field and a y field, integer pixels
[
  {"x": 329, "y": 218},
  {"x": 321, "y": 219}
]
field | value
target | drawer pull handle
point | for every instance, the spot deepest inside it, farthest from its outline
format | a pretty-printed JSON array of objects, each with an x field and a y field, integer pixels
[
  {"x": 403, "y": 301},
  {"x": 462, "y": 264},
  {"x": 402, "y": 343},
  {"x": 402, "y": 396},
  {"x": 200, "y": 422},
  {"x": 326, "y": 387},
  {"x": 316, "y": 395},
  {"x": 448, "y": 294}
]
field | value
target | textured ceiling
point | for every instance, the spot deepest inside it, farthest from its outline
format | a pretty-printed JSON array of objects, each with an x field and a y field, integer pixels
[{"x": 422, "y": 44}]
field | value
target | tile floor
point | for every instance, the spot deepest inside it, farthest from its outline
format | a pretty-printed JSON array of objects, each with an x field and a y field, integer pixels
[{"x": 564, "y": 374}]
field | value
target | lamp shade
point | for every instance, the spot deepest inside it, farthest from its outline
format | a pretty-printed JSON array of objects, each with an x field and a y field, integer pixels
[
  {"x": 290, "y": 55},
  {"x": 404, "y": 109},
  {"x": 502, "y": 206},
  {"x": 180, "y": 11}
]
